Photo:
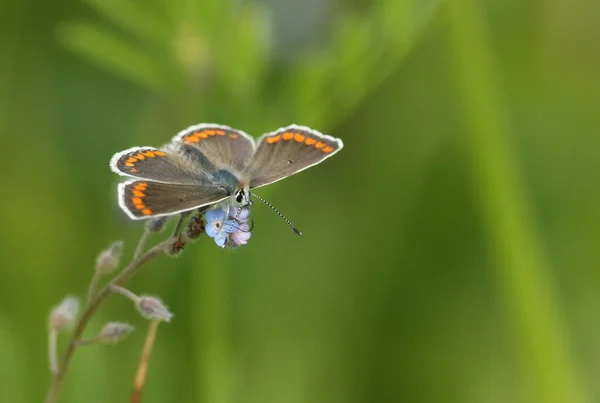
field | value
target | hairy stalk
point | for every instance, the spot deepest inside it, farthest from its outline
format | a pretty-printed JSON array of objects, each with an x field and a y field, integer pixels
[
  {"x": 88, "y": 342},
  {"x": 124, "y": 292},
  {"x": 93, "y": 287},
  {"x": 57, "y": 378},
  {"x": 52, "y": 355},
  {"x": 177, "y": 228},
  {"x": 140, "y": 377},
  {"x": 141, "y": 243}
]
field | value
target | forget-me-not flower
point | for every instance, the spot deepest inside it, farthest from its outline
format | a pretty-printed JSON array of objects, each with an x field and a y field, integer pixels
[{"x": 227, "y": 226}]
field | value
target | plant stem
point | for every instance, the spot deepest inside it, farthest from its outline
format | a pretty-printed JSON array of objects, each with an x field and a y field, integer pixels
[
  {"x": 522, "y": 267},
  {"x": 52, "y": 355},
  {"x": 140, "y": 245},
  {"x": 124, "y": 292},
  {"x": 140, "y": 377},
  {"x": 57, "y": 379},
  {"x": 93, "y": 287},
  {"x": 88, "y": 342},
  {"x": 177, "y": 228}
]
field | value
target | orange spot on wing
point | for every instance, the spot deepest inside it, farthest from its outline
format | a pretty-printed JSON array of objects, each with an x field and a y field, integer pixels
[
  {"x": 319, "y": 144},
  {"x": 149, "y": 154},
  {"x": 299, "y": 137},
  {"x": 210, "y": 132},
  {"x": 220, "y": 132},
  {"x": 328, "y": 149},
  {"x": 287, "y": 135},
  {"x": 272, "y": 140},
  {"x": 138, "y": 193},
  {"x": 146, "y": 211},
  {"x": 192, "y": 139},
  {"x": 309, "y": 141},
  {"x": 140, "y": 157},
  {"x": 233, "y": 136},
  {"x": 136, "y": 200},
  {"x": 129, "y": 164},
  {"x": 160, "y": 153},
  {"x": 140, "y": 206},
  {"x": 131, "y": 159}
]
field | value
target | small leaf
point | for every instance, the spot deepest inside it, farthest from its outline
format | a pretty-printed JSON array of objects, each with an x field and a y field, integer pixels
[
  {"x": 134, "y": 18},
  {"x": 98, "y": 44},
  {"x": 242, "y": 60}
]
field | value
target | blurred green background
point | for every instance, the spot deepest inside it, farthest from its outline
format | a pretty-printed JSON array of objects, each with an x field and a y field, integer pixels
[{"x": 450, "y": 251}]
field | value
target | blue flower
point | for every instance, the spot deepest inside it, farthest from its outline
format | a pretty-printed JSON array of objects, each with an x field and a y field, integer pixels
[
  {"x": 215, "y": 226},
  {"x": 231, "y": 229}
]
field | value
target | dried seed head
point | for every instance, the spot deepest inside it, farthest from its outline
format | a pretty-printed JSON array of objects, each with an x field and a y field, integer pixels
[
  {"x": 156, "y": 224},
  {"x": 195, "y": 227},
  {"x": 153, "y": 308},
  {"x": 175, "y": 247},
  {"x": 109, "y": 259},
  {"x": 64, "y": 313},
  {"x": 114, "y": 332}
]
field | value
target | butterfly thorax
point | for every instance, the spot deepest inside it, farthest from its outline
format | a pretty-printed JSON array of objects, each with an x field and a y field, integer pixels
[{"x": 237, "y": 187}]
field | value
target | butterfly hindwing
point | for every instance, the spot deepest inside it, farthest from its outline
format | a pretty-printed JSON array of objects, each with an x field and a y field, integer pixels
[
  {"x": 145, "y": 199},
  {"x": 223, "y": 146},
  {"x": 288, "y": 151}
]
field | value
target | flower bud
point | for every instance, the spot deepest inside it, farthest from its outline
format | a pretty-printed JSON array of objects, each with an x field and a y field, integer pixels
[
  {"x": 109, "y": 259},
  {"x": 114, "y": 332},
  {"x": 64, "y": 313},
  {"x": 156, "y": 224},
  {"x": 153, "y": 308}
]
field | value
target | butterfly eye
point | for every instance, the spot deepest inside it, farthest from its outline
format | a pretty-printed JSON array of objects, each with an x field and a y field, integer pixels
[{"x": 240, "y": 196}]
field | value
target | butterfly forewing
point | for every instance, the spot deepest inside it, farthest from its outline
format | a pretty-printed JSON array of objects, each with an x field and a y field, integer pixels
[
  {"x": 144, "y": 199},
  {"x": 156, "y": 165},
  {"x": 287, "y": 151}
]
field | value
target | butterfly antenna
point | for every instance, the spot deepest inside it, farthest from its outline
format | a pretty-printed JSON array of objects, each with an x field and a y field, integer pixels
[{"x": 296, "y": 230}]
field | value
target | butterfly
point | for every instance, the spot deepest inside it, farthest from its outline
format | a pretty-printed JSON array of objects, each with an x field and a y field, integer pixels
[{"x": 208, "y": 163}]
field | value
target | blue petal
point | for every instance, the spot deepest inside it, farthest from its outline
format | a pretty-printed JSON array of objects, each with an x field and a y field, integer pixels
[
  {"x": 211, "y": 215},
  {"x": 211, "y": 231},
  {"x": 220, "y": 239},
  {"x": 215, "y": 215}
]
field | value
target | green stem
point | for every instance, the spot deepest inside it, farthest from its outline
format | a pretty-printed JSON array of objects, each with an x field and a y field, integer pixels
[
  {"x": 93, "y": 287},
  {"x": 141, "y": 244},
  {"x": 522, "y": 269},
  {"x": 124, "y": 292}
]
